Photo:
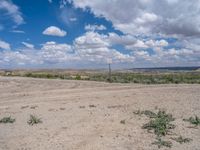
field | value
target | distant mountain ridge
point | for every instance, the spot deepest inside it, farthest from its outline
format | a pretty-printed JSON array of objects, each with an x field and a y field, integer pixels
[{"x": 193, "y": 68}]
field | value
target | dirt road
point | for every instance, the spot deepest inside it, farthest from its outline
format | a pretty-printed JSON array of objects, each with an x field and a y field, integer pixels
[{"x": 82, "y": 115}]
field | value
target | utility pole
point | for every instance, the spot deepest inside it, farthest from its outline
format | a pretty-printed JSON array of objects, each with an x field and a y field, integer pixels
[
  {"x": 109, "y": 62},
  {"x": 109, "y": 74}
]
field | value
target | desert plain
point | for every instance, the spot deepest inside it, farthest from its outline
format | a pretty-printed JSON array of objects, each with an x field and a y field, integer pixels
[{"x": 88, "y": 115}]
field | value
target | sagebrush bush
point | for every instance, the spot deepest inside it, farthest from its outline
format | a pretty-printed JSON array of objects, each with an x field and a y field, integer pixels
[
  {"x": 34, "y": 120},
  {"x": 7, "y": 120},
  {"x": 193, "y": 120}
]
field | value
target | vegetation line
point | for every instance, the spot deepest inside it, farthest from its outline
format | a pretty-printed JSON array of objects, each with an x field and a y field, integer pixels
[{"x": 116, "y": 77}]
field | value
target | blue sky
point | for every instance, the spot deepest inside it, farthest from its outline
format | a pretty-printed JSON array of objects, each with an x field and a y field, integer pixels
[{"x": 91, "y": 34}]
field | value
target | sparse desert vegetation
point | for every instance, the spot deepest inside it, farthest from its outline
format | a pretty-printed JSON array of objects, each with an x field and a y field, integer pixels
[
  {"x": 161, "y": 124},
  {"x": 7, "y": 120},
  {"x": 34, "y": 120},
  {"x": 153, "y": 77},
  {"x": 193, "y": 120}
]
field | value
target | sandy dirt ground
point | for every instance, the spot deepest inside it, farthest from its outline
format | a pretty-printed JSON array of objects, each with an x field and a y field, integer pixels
[{"x": 82, "y": 115}]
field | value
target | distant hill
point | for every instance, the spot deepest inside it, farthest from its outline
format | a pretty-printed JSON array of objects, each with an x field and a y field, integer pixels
[{"x": 193, "y": 68}]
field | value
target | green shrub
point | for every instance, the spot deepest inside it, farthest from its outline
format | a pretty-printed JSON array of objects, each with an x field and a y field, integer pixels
[
  {"x": 160, "y": 123},
  {"x": 7, "y": 120},
  {"x": 78, "y": 77},
  {"x": 34, "y": 120},
  {"x": 193, "y": 120}
]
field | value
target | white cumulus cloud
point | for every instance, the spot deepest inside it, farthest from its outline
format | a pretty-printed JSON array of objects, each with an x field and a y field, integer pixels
[
  {"x": 50, "y": 46},
  {"x": 91, "y": 40},
  {"x": 4, "y": 45},
  {"x": 54, "y": 31},
  {"x": 97, "y": 48},
  {"x": 169, "y": 17}
]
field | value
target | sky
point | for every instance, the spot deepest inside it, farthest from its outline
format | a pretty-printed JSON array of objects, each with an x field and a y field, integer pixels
[{"x": 89, "y": 34}]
